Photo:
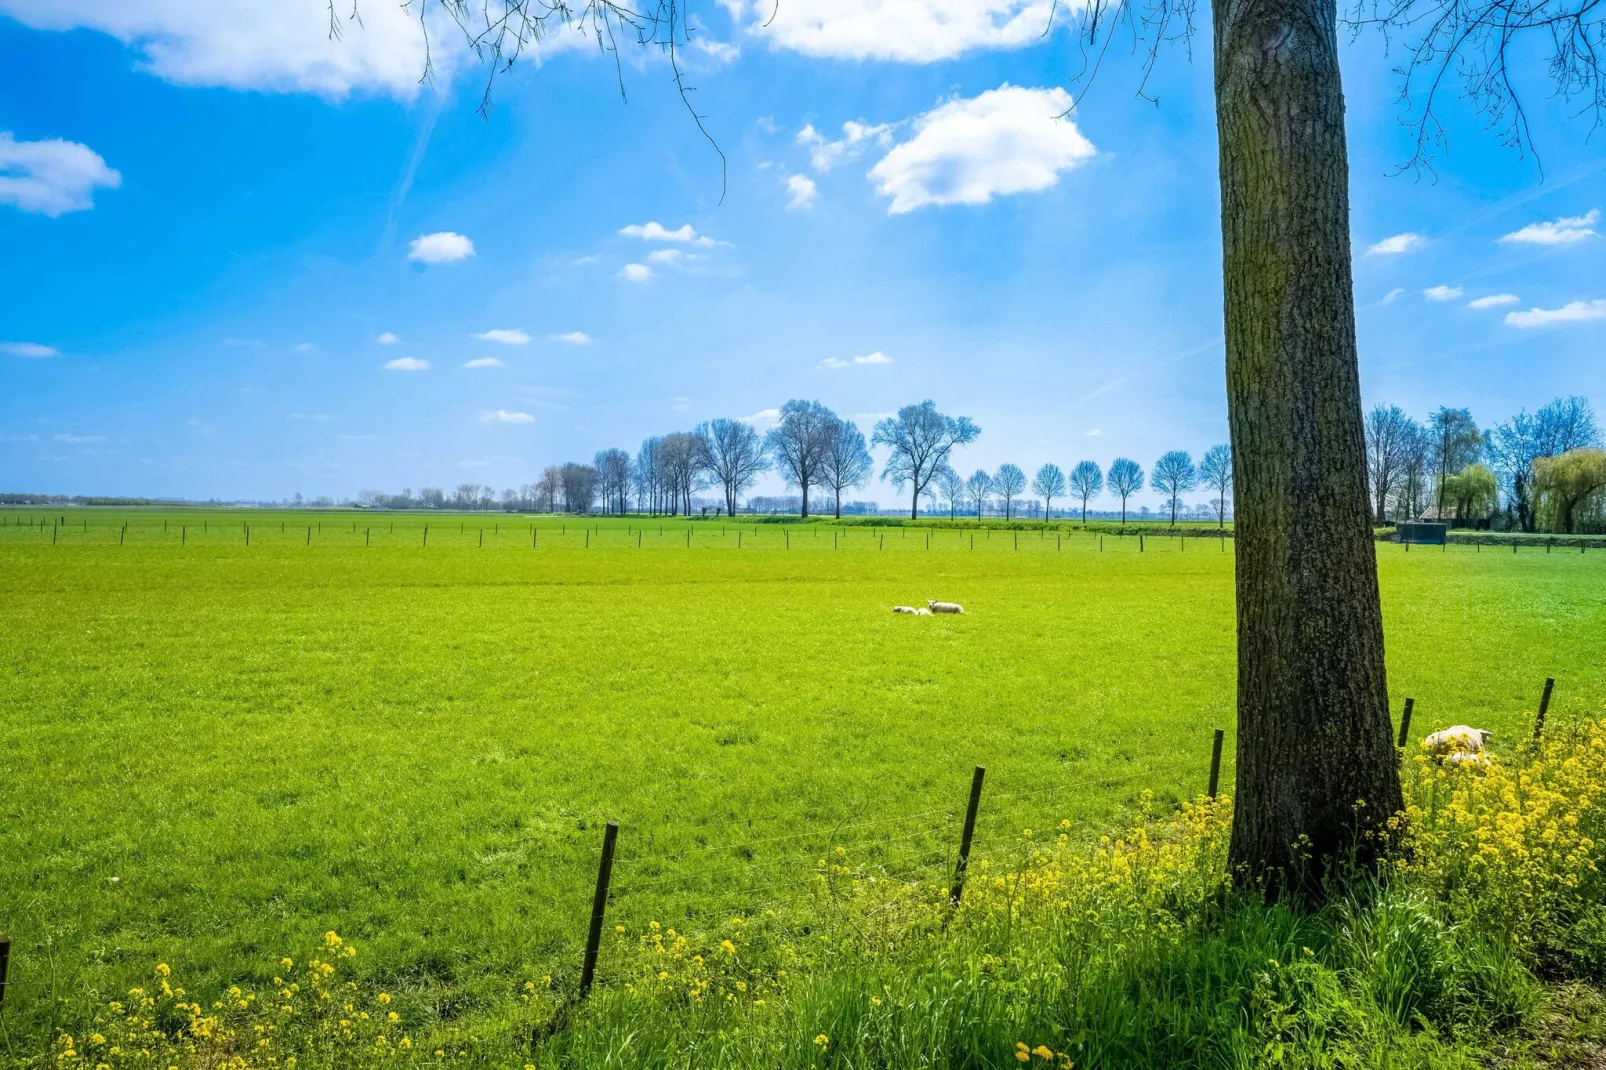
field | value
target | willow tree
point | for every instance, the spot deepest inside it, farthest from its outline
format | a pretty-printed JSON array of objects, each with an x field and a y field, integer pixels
[{"x": 1317, "y": 775}]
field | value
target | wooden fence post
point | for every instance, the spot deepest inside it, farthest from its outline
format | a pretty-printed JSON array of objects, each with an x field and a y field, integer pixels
[
  {"x": 1544, "y": 707},
  {"x": 1215, "y": 762},
  {"x": 970, "y": 831},
  {"x": 1405, "y": 722},
  {"x": 599, "y": 908}
]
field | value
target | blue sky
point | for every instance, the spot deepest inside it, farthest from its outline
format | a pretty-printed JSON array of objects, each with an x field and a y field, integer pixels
[{"x": 221, "y": 228}]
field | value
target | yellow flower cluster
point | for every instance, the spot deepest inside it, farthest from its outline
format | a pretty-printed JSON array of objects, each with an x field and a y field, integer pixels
[
  {"x": 312, "y": 1016},
  {"x": 1514, "y": 844}
]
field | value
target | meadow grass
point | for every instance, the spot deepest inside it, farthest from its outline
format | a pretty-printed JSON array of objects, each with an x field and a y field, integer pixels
[{"x": 213, "y": 753}]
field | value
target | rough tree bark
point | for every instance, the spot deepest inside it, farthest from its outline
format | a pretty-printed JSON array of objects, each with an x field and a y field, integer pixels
[{"x": 1316, "y": 767}]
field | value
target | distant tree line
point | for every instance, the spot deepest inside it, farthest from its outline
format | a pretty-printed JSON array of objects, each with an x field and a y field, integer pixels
[
  {"x": 820, "y": 453},
  {"x": 1541, "y": 471}
]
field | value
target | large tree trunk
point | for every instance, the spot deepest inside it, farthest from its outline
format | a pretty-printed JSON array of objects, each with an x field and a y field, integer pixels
[{"x": 1317, "y": 770}]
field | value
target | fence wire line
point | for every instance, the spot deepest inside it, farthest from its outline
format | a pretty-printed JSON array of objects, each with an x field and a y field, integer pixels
[{"x": 952, "y": 810}]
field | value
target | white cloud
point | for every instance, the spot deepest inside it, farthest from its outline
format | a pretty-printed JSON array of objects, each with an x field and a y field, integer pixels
[
  {"x": 1095, "y": 433},
  {"x": 304, "y": 347},
  {"x": 1572, "y": 312},
  {"x": 718, "y": 51},
  {"x": 802, "y": 189},
  {"x": 81, "y": 440},
  {"x": 1563, "y": 231},
  {"x": 680, "y": 404},
  {"x": 387, "y": 339},
  {"x": 407, "y": 364},
  {"x": 685, "y": 233},
  {"x": 358, "y": 438},
  {"x": 483, "y": 362},
  {"x": 667, "y": 256},
  {"x": 1392, "y": 296},
  {"x": 202, "y": 427},
  {"x": 1493, "y": 301},
  {"x": 309, "y": 416},
  {"x": 506, "y": 336},
  {"x": 574, "y": 338},
  {"x": 1393, "y": 246},
  {"x": 28, "y": 350},
  {"x": 762, "y": 416},
  {"x": 284, "y": 46},
  {"x": 825, "y": 154},
  {"x": 1007, "y": 140},
  {"x": 1442, "y": 293},
  {"x": 910, "y": 31},
  {"x": 635, "y": 273},
  {"x": 51, "y": 177},
  {"x": 502, "y": 416},
  {"x": 442, "y": 247},
  {"x": 877, "y": 357}
]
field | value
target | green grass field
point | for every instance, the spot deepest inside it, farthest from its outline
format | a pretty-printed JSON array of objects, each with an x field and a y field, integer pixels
[{"x": 212, "y": 752}]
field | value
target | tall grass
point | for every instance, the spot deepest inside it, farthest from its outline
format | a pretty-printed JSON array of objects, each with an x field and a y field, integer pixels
[{"x": 1134, "y": 951}]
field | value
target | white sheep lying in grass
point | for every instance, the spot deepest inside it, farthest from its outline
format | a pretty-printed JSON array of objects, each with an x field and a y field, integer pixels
[
  {"x": 1457, "y": 745},
  {"x": 945, "y": 607},
  {"x": 921, "y": 612}
]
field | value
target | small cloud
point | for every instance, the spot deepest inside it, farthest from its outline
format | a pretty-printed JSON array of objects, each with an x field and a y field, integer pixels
[
  {"x": 825, "y": 154},
  {"x": 483, "y": 362},
  {"x": 766, "y": 123},
  {"x": 304, "y": 347},
  {"x": 803, "y": 190},
  {"x": 1563, "y": 231},
  {"x": 407, "y": 364},
  {"x": 503, "y": 336},
  {"x": 1392, "y": 296},
  {"x": 685, "y": 234},
  {"x": 877, "y": 357},
  {"x": 81, "y": 440},
  {"x": 51, "y": 177},
  {"x": 583, "y": 260},
  {"x": 667, "y": 256},
  {"x": 387, "y": 339},
  {"x": 1572, "y": 312},
  {"x": 573, "y": 338},
  {"x": 680, "y": 404},
  {"x": 28, "y": 350},
  {"x": 719, "y": 51},
  {"x": 1095, "y": 433},
  {"x": 635, "y": 273},
  {"x": 442, "y": 247},
  {"x": 1442, "y": 293},
  {"x": 1005, "y": 141},
  {"x": 358, "y": 438},
  {"x": 245, "y": 343},
  {"x": 762, "y": 416},
  {"x": 502, "y": 416},
  {"x": 309, "y": 416},
  {"x": 1395, "y": 245},
  {"x": 1493, "y": 301},
  {"x": 474, "y": 464},
  {"x": 202, "y": 427}
]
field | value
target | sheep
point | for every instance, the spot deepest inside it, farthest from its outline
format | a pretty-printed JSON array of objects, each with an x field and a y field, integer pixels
[
  {"x": 945, "y": 607},
  {"x": 921, "y": 612},
  {"x": 1458, "y": 744}
]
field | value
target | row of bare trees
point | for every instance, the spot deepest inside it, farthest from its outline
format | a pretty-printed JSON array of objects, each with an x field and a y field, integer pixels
[
  {"x": 1446, "y": 466},
  {"x": 1175, "y": 474}
]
